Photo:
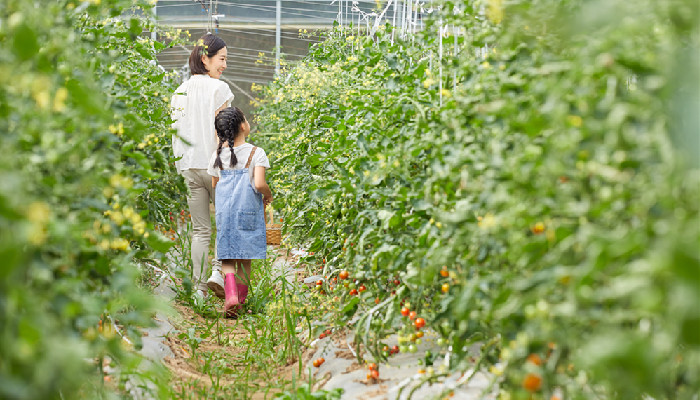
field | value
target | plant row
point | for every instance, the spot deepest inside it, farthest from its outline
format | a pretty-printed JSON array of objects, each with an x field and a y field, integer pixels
[
  {"x": 520, "y": 176},
  {"x": 84, "y": 115}
]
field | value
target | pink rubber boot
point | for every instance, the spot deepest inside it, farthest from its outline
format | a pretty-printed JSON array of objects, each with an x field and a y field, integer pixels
[
  {"x": 242, "y": 292},
  {"x": 231, "y": 304}
]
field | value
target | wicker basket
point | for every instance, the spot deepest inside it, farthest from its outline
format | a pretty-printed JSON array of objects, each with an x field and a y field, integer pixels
[{"x": 273, "y": 231}]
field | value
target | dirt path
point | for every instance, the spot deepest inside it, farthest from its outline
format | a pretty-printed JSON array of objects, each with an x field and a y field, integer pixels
[
  {"x": 213, "y": 357},
  {"x": 189, "y": 367}
]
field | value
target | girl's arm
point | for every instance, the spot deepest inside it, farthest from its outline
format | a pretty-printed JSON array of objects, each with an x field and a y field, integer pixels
[
  {"x": 214, "y": 181},
  {"x": 261, "y": 185}
]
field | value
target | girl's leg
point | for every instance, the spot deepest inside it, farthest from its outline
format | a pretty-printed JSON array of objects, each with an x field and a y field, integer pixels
[
  {"x": 241, "y": 268},
  {"x": 244, "y": 281},
  {"x": 236, "y": 273},
  {"x": 229, "y": 267},
  {"x": 231, "y": 288}
]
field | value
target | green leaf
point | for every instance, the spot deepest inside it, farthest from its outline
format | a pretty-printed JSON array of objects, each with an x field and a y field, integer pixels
[
  {"x": 24, "y": 42},
  {"x": 159, "y": 243}
]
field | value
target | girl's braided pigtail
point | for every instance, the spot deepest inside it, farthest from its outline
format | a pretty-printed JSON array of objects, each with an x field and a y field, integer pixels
[
  {"x": 234, "y": 159},
  {"x": 217, "y": 163}
]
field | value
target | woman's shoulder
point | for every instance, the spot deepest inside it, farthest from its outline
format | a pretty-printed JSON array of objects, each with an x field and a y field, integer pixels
[
  {"x": 182, "y": 89},
  {"x": 211, "y": 82}
]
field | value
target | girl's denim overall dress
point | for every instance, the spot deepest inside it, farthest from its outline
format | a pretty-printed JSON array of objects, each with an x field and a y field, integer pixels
[{"x": 240, "y": 219}]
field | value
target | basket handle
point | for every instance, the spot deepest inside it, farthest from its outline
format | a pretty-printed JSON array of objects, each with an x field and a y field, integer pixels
[{"x": 271, "y": 218}]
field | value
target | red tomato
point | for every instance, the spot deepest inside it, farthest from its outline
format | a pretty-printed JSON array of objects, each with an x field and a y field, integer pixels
[
  {"x": 405, "y": 311},
  {"x": 532, "y": 382},
  {"x": 362, "y": 288},
  {"x": 420, "y": 322},
  {"x": 534, "y": 359},
  {"x": 375, "y": 374},
  {"x": 344, "y": 275},
  {"x": 353, "y": 292},
  {"x": 372, "y": 366},
  {"x": 412, "y": 315}
]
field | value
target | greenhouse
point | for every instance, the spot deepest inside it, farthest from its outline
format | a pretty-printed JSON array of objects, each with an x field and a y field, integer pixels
[{"x": 336, "y": 199}]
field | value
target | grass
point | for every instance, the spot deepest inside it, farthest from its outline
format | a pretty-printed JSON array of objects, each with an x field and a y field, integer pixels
[{"x": 258, "y": 355}]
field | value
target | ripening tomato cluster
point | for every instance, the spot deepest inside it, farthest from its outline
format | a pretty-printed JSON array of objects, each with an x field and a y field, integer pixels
[
  {"x": 318, "y": 362},
  {"x": 445, "y": 273},
  {"x": 389, "y": 351},
  {"x": 356, "y": 287},
  {"x": 418, "y": 322},
  {"x": 532, "y": 382},
  {"x": 373, "y": 372},
  {"x": 325, "y": 334}
]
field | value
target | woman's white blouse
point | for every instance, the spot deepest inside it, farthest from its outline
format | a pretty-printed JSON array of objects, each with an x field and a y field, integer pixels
[{"x": 193, "y": 106}]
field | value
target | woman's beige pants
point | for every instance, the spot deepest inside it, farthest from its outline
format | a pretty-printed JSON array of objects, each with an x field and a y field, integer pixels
[{"x": 200, "y": 195}]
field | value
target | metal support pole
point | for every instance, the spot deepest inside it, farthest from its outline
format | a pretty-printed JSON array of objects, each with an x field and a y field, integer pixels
[
  {"x": 155, "y": 16},
  {"x": 278, "y": 36},
  {"x": 211, "y": 10}
]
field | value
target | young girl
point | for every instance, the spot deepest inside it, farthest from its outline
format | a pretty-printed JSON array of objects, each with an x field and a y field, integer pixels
[{"x": 238, "y": 176}]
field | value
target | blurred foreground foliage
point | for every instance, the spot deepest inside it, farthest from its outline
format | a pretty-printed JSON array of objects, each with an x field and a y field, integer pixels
[
  {"x": 85, "y": 179},
  {"x": 527, "y": 179}
]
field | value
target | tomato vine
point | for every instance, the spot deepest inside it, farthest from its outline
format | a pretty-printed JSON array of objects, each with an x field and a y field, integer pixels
[{"x": 517, "y": 176}]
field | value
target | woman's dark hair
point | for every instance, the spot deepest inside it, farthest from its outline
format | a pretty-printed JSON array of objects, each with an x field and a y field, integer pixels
[
  {"x": 208, "y": 46},
  {"x": 228, "y": 125}
]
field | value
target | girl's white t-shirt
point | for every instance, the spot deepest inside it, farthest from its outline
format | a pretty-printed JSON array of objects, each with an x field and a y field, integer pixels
[
  {"x": 242, "y": 153},
  {"x": 194, "y": 105}
]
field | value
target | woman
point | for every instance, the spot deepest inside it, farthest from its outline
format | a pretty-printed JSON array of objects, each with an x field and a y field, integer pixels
[{"x": 194, "y": 105}]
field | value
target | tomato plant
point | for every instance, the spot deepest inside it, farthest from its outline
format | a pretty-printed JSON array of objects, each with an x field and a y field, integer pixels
[
  {"x": 86, "y": 181},
  {"x": 523, "y": 175}
]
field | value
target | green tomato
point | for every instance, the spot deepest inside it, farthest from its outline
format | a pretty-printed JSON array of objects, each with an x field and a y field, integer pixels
[
  {"x": 403, "y": 348},
  {"x": 412, "y": 348},
  {"x": 442, "y": 342},
  {"x": 419, "y": 341},
  {"x": 351, "y": 285}
]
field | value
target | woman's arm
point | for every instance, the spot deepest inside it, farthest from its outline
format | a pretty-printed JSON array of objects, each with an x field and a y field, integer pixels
[
  {"x": 225, "y": 105},
  {"x": 261, "y": 185},
  {"x": 214, "y": 181},
  {"x": 215, "y": 114}
]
